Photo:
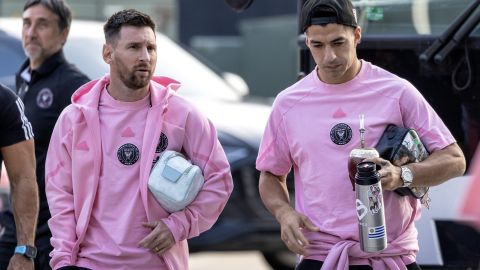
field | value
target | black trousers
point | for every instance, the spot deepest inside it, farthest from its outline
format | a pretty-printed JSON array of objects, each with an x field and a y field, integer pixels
[
  {"x": 8, "y": 242},
  {"x": 316, "y": 265},
  {"x": 7, "y": 249},
  {"x": 41, "y": 262}
]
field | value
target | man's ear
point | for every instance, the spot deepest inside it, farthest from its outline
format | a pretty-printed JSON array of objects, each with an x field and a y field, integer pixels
[
  {"x": 64, "y": 35},
  {"x": 107, "y": 53},
  {"x": 358, "y": 35},
  {"x": 306, "y": 39}
]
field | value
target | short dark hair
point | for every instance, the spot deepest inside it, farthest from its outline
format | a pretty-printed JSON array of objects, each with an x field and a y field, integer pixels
[
  {"x": 58, "y": 7},
  {"x": 129, "y": 17}
]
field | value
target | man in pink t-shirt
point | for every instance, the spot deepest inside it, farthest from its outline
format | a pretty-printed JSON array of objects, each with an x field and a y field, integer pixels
[
  {"x": 312, "y": 129},
  {"x": 101, "y": 153}
]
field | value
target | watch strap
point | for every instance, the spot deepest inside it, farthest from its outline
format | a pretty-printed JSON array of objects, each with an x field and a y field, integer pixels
[{"x": 27, "y": 251}]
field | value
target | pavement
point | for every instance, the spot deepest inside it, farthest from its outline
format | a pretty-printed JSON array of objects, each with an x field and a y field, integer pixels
[{"x": 228, "y": 260}]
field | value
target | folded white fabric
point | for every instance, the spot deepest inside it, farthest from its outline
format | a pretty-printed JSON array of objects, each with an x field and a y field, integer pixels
[{"x": 175, "y": 181}]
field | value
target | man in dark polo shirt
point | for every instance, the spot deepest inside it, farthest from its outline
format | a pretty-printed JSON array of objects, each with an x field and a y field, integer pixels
[
  {"x": 17, "y": 152},
  {"x": 45, "y": 83}
]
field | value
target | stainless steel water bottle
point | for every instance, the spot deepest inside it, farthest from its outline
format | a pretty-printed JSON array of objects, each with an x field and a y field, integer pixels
[{"x": 370, "y": 208}]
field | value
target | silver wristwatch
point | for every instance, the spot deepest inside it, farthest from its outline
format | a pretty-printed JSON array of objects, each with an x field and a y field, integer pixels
[{"x": 406, "y": 175}]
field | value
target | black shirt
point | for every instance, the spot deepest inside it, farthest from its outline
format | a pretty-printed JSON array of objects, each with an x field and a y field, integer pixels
[
  {"x": 14, "y": 126},
  {"x": 47, "y": 93}
]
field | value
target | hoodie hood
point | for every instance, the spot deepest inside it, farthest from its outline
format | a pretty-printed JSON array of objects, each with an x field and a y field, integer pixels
[{"x": 88, "y": 95}]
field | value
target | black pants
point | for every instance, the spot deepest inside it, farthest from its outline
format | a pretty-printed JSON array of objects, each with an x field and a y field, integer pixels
[
  {"x": 316, "y": 265},
  {"x": 7, "y": 249}
]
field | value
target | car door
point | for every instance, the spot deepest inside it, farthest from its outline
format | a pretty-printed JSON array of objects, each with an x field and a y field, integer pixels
[{"x": 10, "y": 52}]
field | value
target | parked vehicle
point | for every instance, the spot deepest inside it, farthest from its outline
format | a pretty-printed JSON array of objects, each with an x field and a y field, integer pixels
[
  {"x": 244, "y": 224},
  {"x": 434, "y": 45}
]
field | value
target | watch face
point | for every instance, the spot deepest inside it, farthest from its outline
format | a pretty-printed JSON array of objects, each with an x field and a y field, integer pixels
[
  {"x": 31, "y": 252},
  {"x": 407, "y": 176}
]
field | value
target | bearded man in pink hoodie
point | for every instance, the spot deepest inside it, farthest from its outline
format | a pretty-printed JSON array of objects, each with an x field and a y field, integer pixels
[{"x": 101, "y": 154}]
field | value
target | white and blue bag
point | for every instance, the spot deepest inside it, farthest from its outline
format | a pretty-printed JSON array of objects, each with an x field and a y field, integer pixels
[{"x": 174, "y": 181}]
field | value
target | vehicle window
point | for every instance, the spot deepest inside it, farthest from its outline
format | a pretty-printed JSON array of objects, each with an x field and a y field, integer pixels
[
  {"x": 14, "y": 58},
  {"x": 197, "y": 79},
  {"x": 408, "y": 17},
  {"x": 86, "y": 54},
  {"x": 11, "y": 56}
]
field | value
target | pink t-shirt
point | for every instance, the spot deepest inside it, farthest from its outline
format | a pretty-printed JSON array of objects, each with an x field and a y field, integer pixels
[
  {"x": 115, "y": 226},
  {"x": 314, "y": 126}
]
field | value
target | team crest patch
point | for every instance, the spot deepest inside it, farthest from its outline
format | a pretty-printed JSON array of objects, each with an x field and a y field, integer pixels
[
  {"x": 45, "y": 98},
  {"x": 128, "y": 154},
  {"x": 341, "y": 134},
  {"x": 162, "y": 143}
]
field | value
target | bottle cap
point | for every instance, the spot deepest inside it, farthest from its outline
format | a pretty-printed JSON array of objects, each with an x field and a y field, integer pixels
[{"x": 366, "y": 173}]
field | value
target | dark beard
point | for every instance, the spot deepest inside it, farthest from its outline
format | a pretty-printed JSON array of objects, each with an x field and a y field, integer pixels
[{"x": 135, "y": 82}]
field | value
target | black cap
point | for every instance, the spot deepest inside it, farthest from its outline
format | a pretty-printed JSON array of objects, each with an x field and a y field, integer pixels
[{"x": 322, "y": 12}]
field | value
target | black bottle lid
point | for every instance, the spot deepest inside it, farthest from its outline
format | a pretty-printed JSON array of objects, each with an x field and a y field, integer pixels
[{"x": 366, "y": 173}]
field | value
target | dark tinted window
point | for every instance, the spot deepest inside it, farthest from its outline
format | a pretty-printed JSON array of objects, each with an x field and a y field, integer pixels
[
  {"x": 407, "y": 17},
  {"x": 11, "y": 53}
]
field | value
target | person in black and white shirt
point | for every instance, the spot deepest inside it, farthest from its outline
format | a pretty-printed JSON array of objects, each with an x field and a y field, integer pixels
[
  {"x": 17, "y": 151},
  {"x": 45, "y": 82}
]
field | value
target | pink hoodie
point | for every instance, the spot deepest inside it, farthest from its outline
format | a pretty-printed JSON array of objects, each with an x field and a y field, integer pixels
[{"x": 73, "y": 166}]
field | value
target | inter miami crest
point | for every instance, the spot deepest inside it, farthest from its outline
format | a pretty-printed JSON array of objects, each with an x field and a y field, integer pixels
[
  {"x": 128, "y": 154},
  {"x": 341, "y": 134},
  {"x": 45, "y": 98},
  {"x": 162, "y": 143}
]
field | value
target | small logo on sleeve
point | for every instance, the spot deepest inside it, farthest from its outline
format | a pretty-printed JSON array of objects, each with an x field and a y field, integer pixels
[{"x": 82, "y": 146}]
